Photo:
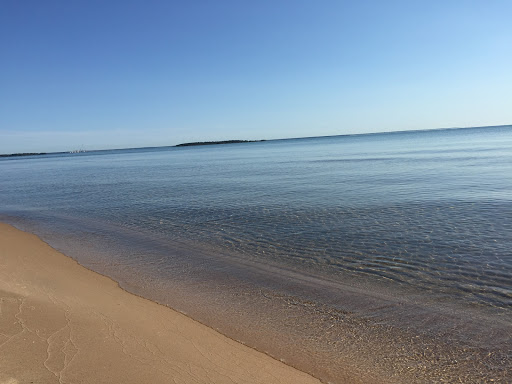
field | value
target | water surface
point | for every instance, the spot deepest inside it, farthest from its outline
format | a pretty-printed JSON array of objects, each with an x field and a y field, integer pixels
[{"x": 313, "y": 250}]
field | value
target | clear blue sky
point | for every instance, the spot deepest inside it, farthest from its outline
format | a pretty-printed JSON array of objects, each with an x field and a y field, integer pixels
[{"x": 102, "y": 74}]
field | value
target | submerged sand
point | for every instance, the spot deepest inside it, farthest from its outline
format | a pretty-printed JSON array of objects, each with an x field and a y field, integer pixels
[{"x": 62, "y": 323}]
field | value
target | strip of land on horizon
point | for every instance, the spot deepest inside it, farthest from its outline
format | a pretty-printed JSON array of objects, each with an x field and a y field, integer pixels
[{"x": 196, "y": 143}]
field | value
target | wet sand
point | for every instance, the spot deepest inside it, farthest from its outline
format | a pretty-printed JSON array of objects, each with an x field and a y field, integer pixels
[{"x": 60, "y": 322}]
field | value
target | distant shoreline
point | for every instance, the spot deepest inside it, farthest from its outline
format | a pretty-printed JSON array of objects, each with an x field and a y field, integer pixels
[
  {"x": 251, "y": 141},
  {"x": 217, "y": 142},
  {"x": 23, "y": 154},
  {"x": 39, "y": 153}
]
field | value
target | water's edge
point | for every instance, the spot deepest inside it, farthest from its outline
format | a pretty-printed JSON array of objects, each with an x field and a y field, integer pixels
[
  {"x": 125, "y": 287},
  {"x": 324, "y": 336}
]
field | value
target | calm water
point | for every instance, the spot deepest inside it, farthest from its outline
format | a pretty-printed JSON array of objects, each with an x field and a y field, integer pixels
[{"x": 312, "y": 250}]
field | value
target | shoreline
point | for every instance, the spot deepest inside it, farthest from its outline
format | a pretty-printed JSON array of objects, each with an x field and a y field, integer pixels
[
  {"x": 332, "y": 344},
  {"x": 63, "y": 322}
]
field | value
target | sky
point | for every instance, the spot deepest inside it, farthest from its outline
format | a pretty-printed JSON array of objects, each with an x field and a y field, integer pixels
[{"x": 114, "y": 74}]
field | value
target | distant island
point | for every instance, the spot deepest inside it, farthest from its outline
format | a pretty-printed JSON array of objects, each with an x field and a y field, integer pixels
[
  {"x": 40, "y": 153},
  {"x": 218, "y": 142},
  {"x": 23, "y": 154}
]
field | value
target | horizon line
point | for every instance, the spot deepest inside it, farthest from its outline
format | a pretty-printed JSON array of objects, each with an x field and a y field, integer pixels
[{"x": 257, "y": 140}]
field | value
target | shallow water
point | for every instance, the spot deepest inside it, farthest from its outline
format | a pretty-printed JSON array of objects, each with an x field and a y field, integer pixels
[{"x": 315, "y": 250}]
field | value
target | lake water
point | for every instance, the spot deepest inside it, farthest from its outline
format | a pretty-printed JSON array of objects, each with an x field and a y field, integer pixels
[{"x": 381, "y": 257}]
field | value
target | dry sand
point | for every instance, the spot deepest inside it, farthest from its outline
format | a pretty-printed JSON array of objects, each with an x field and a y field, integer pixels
[{"x": 62, "y": 323}]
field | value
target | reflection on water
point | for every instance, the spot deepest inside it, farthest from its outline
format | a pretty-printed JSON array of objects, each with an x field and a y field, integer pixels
[{"x": 314, "y": 250}]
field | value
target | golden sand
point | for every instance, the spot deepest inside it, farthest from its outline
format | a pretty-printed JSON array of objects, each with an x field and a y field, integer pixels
[{"x": 62, "y": 323}]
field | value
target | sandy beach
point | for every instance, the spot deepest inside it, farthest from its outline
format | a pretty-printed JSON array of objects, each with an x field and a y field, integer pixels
[{"x": 62, "y": 323}]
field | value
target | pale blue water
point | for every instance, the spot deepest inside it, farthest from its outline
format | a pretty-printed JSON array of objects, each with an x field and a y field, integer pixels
[{"x": 424, "y": 215}]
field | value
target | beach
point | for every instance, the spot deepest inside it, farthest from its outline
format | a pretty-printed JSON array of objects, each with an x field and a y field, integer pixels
[
  {"x": 381, "y": 258},
  {"x": 61, "y": 322}
]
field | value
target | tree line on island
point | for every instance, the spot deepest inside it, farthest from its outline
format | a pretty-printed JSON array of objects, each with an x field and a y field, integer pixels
[
  {"x": 217, "y": 142},
  {"x": 23, "y": 154}
]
